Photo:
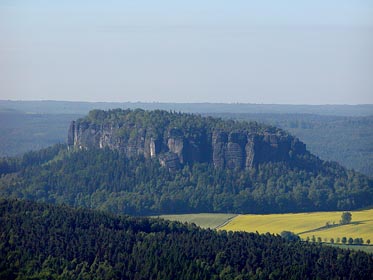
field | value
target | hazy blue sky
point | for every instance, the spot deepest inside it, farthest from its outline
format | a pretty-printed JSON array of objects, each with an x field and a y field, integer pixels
[{"x": 295, "y": 52}]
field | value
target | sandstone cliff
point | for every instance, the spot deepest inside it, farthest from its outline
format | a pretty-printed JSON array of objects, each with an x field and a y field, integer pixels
[{"x": 178, "y": 139}]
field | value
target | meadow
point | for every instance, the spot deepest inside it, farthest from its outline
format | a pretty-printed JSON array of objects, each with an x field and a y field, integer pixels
[{"x": 307, "y": 224}]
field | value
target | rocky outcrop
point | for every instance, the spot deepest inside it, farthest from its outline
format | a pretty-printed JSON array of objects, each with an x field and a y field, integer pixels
[{"x": 174, "y": 147}]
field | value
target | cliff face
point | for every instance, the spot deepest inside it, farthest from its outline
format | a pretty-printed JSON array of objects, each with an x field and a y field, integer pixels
[{"x": 225, "y": 148}]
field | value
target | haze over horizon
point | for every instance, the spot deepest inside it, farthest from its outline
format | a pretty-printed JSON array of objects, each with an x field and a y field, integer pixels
[{"x": 262, "y": 52}]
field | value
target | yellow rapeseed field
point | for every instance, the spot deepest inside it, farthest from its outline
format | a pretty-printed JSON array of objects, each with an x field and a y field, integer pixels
[{"x": 307, "y": 224}]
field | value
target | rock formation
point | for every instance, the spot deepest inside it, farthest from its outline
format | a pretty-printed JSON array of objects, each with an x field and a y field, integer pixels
[{"x": 225, "y": 148}]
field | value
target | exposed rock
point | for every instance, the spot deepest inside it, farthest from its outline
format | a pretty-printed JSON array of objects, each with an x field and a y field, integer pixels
[
  {"x": 235, "y": 153},
  {"x": 219, "y": 146},
  {"x": 223, "y": 147},
  {"x": 175, "y": 143}
]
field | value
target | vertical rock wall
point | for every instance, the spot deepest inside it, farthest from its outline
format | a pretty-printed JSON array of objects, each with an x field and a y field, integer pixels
[{"x": 233, "y": 150}]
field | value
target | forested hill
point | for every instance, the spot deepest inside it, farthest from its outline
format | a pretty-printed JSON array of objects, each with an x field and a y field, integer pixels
[
  {"x": 40, "y": 241},
  {"x": 177, "y": 139},
  {"x": 107, "y": 177},
  {"x": 338, "y": 133}
]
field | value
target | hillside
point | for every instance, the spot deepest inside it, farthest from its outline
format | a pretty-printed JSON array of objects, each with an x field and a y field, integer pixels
[
  {"x": 40, "y": 241},
  {"x": 123, "y": 176},
  {"x": 338, "y": 133}
]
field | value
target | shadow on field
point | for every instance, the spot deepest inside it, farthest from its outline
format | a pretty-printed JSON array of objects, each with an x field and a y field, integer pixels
[{"x": 335, "y": 226}]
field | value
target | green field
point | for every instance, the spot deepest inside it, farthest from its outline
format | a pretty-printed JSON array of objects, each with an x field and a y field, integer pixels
[
  {"x": 365, "y": 248},
  {"x": 204, "y": 220},
  {"x": 307, "y": 224}
]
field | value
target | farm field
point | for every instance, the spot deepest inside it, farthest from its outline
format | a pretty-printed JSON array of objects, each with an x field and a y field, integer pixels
[
  {"x": 364, "y": 248},
  {"x": 204, "y": 220},
  {"x": 303, "y": 224},
  {"x": 307, "y": 224}
]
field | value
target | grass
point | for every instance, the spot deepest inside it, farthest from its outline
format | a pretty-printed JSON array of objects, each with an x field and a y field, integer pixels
[
  {"x": 303, "y": 224},
  {"x": 204, "y": 220},
  {"x": 307, "y": 224},
  {"x": 365, "y": 248}
]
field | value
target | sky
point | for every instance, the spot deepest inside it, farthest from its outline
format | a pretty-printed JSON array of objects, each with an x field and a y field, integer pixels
[{"x": 265, "y": 52}]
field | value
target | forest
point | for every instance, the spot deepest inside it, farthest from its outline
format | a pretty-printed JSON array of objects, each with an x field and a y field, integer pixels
[
  {"x": 107, "y": 180},
  {"x": 41, "y": 241}
]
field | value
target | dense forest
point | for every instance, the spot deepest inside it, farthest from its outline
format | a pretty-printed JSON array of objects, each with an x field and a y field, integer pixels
[
  {"x": 40, "y": 241},
  {"x": 106, "y": 179}
]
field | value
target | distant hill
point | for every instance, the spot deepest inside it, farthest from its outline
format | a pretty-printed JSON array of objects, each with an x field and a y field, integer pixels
[
  {"x": 40, "y": 241},
  {"x": 343, "y": 134},
  {"x": 151, "y": 162},
  {"x": 21, "y": 132},
  {"x": 82, "y": 108}
]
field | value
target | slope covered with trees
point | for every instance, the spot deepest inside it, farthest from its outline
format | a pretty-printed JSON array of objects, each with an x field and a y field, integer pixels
[
  {"x": 109, "y": 180},
  {"x": 40, "y": 241}
]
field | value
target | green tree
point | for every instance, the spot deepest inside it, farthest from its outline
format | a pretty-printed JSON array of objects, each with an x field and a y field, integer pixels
[
  {"x": 346, "y": 218},
  {"x": 368, "y": 241},
  {"x": 350, "y": 240},
  {"x": 344, "y": 240},
  {"x": 358, "y": 241},
  {"x": 290, "y": 236}
]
